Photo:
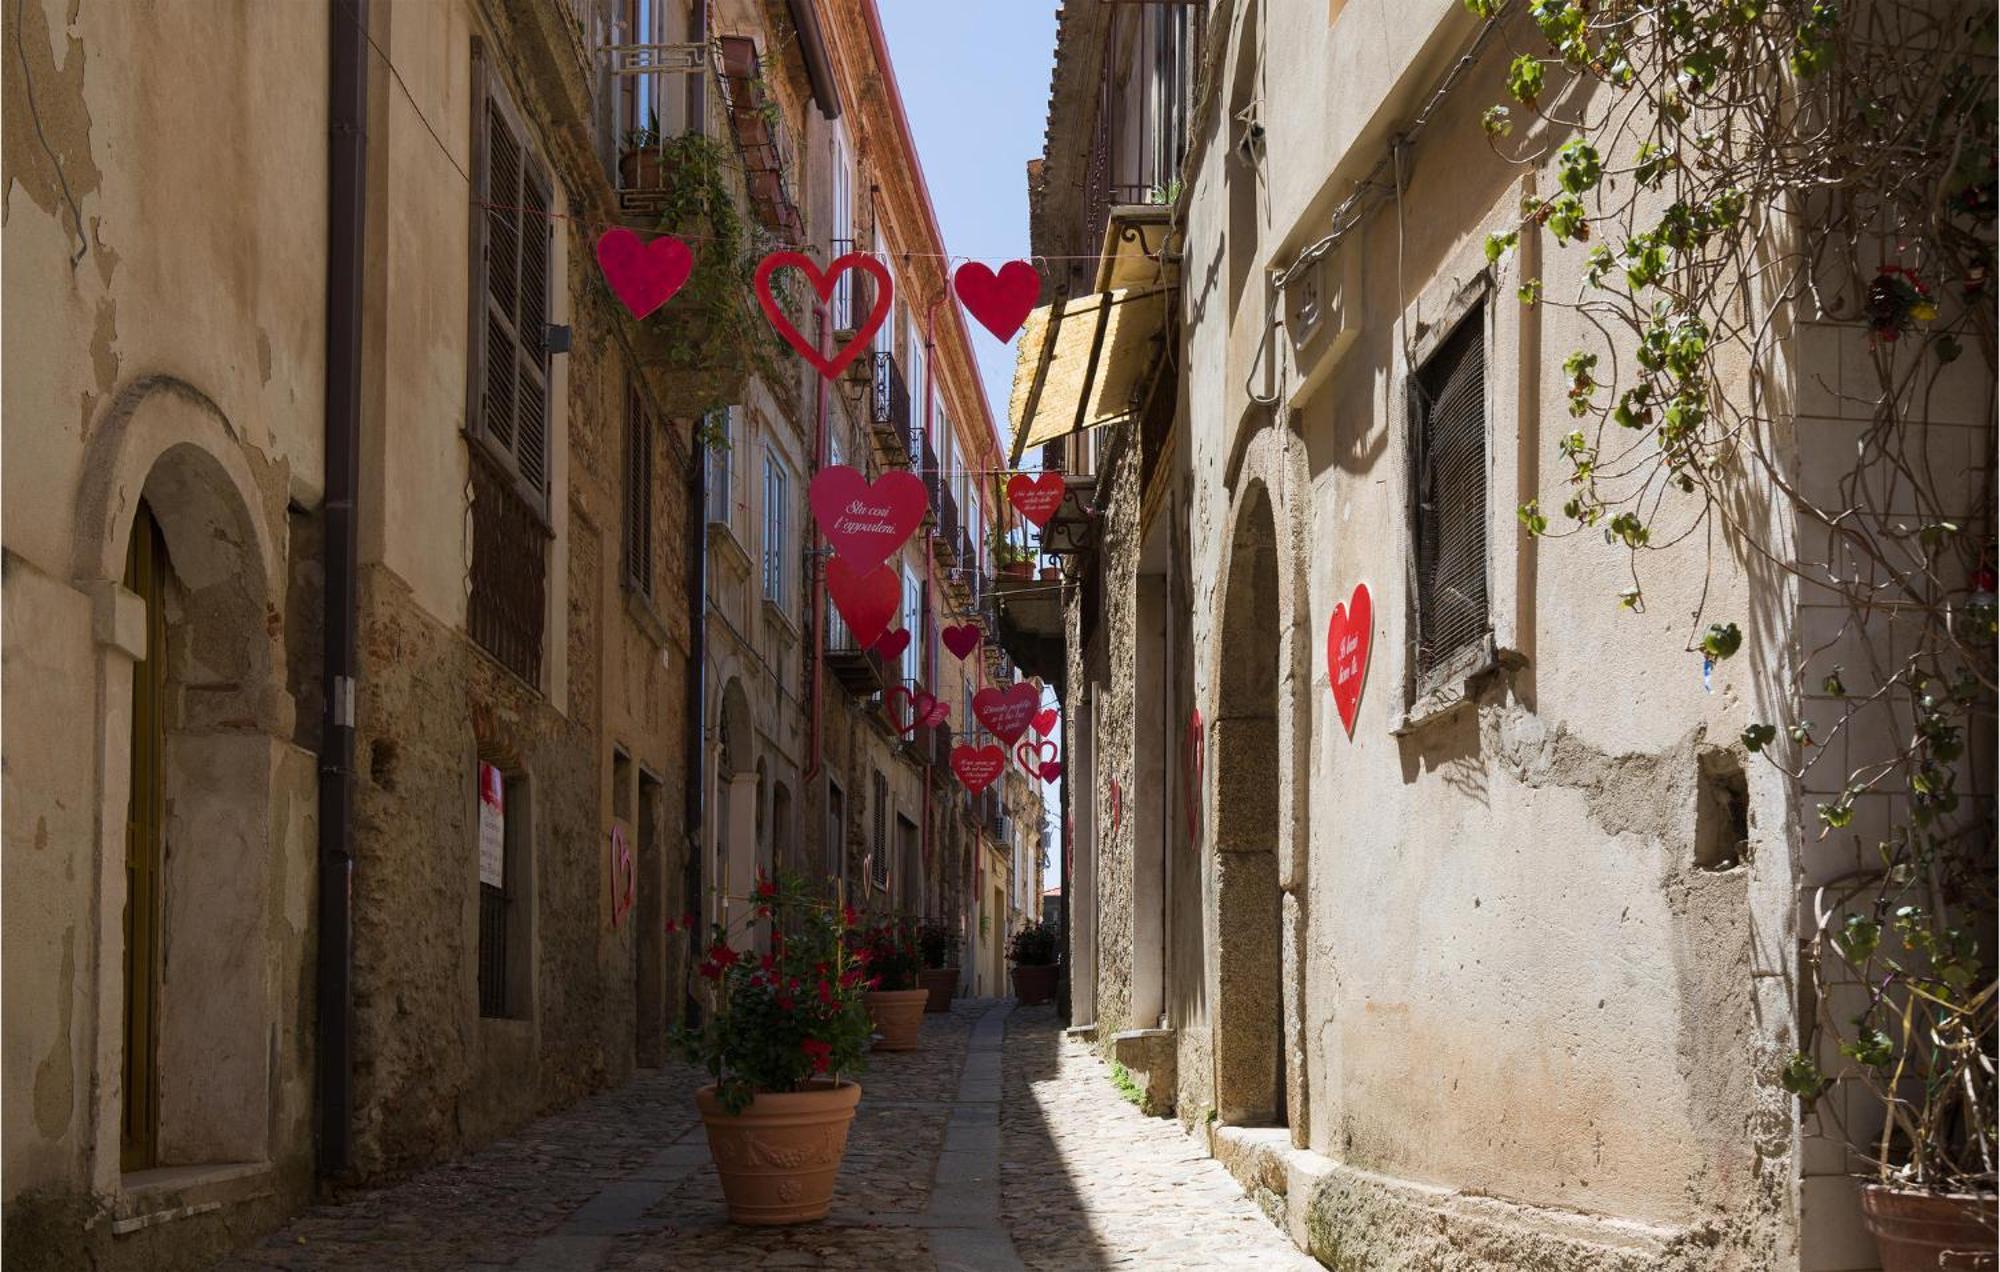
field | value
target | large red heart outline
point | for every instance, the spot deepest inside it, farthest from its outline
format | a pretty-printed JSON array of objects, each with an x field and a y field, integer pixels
[
  {"x": 961, "y": 639},
  {"x": 1037, "y": 497},
  {"x": 978, "y": 766},
  {"x": 643, "y": 276},
  {"x": 1006, "y": 711},
  {"x": 925, "y": 709},
  {"x": 1031, "y": 755},
  {"x": 1001, "y": 302},
  {"x": 867, "y": 522},
  {"x": 823, "y": 285},
  {"x": 1045, "y": 721},
  {"x": 867, "y": 599},
  {"x": 1348, "y": 635}
]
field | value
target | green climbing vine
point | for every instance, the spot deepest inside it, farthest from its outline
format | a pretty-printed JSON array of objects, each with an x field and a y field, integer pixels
[{"x": 1727, "y": 172}]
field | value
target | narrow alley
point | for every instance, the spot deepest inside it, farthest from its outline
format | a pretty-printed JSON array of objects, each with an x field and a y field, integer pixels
[{"x": 998, "y": 1145}]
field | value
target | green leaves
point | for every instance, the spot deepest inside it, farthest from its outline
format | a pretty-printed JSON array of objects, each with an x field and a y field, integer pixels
[
  {"x": 1758, "y": 736},
  {"x": 1524, "y": 79},
  {"x": 1496, "y": 121},
  {"x": 1721, "y": 640},
  {"x": 1566, "y": 218},
  {"x": 1858, "y": 938},
  {"x": 1869, "y": 1046},
  {"x": 1498, "y": 245},
  {"x": 1578, "y": 167},
  {"x": 1530, "y": 515},
  {"x": 1801, "y": 1076}
]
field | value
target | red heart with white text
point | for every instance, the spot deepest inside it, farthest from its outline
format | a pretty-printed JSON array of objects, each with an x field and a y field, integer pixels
[
  {"x": 1348, "y": 637},
  {"x": 1031, "y": 755},
  {"x": 1006, "y": 711},
  {"x": 1001, "y": 302},
  {"x": 1037, "y": 497},
  {"x": 867, "y": 599},
  {"x": 977, "y": 766},
  {"x": 823, "y": 284},
  {"x": 866, "y": 522},
  {"x": 643, "y": 276}
]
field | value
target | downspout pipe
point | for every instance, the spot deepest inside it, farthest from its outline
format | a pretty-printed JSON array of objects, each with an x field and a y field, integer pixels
[
  {"x": 816, "y": 747},
  {"x": 346, "y": 193}
]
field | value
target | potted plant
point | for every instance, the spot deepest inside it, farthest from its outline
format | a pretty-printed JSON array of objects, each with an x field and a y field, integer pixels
[
  {"x": 640, "y": 157},
  {"x": 888, "y": 953},
  {"x": 779, "y": 1032},
  {"x": 1052, "y": 574},
  {"x": 938, "y": 944},
  {"x": 1032, "y": 950},
  {"x": 1011, "y": 559}
]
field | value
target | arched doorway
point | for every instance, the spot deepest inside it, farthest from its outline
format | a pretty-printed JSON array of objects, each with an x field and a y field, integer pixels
[
  {"x": 737, "y": 814},
  {"x": 1250, "y": 1081}
]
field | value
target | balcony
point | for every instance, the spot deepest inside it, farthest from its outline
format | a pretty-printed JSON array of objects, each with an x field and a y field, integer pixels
[
  {"x": 933, "y": 486},
  {"x": 948, "y": 533},
  {"x": 761, "y": 135},
  {"x": 861, "y": 672},
  {"x": 890, "y": 406}
]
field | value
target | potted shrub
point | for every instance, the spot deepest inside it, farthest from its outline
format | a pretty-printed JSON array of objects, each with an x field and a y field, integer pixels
[
  {"x": 1032, "y": 950},
  {"x": 888, "y": 952},
  {"x": 779, "y": 1032},
  {"x": 640, "y": 157},
  {"x": 1052, "y": 574},
  {"x": 1011, "y": 559},
  {"x": 938, "y": 945}
]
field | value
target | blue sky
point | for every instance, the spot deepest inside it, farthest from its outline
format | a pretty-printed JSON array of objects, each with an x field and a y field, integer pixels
[{"x": 975, "y": 80}]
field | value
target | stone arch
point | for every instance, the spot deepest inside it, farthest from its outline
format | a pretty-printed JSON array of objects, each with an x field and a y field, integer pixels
[
  {"x": 738, "y": 780},
  {"x": 1258, "y": 745},
  {"x": 214, "y": 648}
]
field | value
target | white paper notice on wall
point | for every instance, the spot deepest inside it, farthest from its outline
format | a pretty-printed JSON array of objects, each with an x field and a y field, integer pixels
[{"x": 492, "y": 827}]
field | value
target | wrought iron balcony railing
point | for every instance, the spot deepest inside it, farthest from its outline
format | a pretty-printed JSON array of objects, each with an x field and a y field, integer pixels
[{"x": 891, "y": 412}]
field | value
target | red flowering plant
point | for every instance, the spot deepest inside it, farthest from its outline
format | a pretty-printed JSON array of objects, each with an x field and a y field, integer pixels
[
  {"x": 889, "y": 952},
  {"x": 782, "y": 1020}
]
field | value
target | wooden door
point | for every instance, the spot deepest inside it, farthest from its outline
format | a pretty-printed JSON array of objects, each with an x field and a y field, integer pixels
[{"x": 145, "y": 575}]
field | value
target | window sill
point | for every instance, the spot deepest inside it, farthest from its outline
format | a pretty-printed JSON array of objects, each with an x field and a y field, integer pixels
[
  {"x": 639, "y": 607},
  {"x": 722, "y": 539},
  {"x": 786, "y": 626},
  {"x": 1449, "y": 687}
]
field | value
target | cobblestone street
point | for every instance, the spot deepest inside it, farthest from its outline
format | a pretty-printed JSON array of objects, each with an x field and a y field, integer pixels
[{"x": 940, "y": 1172}]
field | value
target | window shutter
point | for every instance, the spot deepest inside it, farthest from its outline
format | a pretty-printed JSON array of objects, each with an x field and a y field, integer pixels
[
  {"x": 638, "y": 494},
  {"x": 512, "y": 268},
  {"x": 1451, "y": 496}
]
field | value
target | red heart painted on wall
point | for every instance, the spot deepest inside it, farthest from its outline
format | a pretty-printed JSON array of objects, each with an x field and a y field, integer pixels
[
  {"x": 925, "y": 709},
  {"x": 643, "y": 276},
  {"x": 823, "y": 284},
  {"x": 1001, "y": 302},
  {"x": 1045, "y": 721},
  {"x": 866, "y": 522},
  {"x": 892, "y": 644},
  {"x": 867, "y": 599},
  {"x": 1031, "y": 755},
  {"x": 1037, "y": 497},
  {"x": 1051, "y": 770},
  {"x": 1348, "y": 636},
  {"x": 961, "y": 639},
  {"x": 1006, "y": 711},
  {"x": 977, "y": 766}
]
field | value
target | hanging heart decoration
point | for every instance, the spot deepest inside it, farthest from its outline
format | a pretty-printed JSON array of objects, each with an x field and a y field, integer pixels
[
  {"x": 823, "y": 285},
  {"x": 978, "y": 766},
  {"x": 892, "y": 644},
  {"x": 961, "y": 639},
  {"x": 1001, "y": 302},
  {"x": 642, "y": 275},
  {"x": 1348, "y": 636},
  {"x": 1006, "y": 711},
  {"x": 924, "y": 709},
  {"x": 1031, "y": 755},
  {"x": 1192, "y": 747},
  {"x": 1051, "y": 770},
  {"x": 866, "y": 522},
  {"x": 1045, "y": 721},
  {"x": 867, "y": 599},
  {"x": 1037, "y": 496}
]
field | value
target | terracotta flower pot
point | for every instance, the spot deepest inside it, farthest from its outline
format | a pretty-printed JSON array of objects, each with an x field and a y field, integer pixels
[
  {"x": 1017, "y": 570},
  {"x": 1052, "y": 574},
  {"x": 898, "y": 1015},
  {"x": 940, "y": 983},
  {"x": 1034, "y": 983},
  {"x": 778, "y": 1157},
  {"x": 1929, "y": 1230}
]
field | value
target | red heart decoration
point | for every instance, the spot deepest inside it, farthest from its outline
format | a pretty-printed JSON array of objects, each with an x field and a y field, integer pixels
[
  {"x": 866, "y": 522},
  {"x": 1006, "y": 711},
  {"x": 1030, "y": 754},
  {"x": 1001, "y": 302},
  {"x": 823, "y": 284},
  {"x": 1051, "y": 770},
  {"x": 1117, "y": 805},
  {"x": 922, "y": 707},
  {"x": 1348, "y": 636},
  {"x": 867, "y": 599},
  {"x": 977, "y": 766},
  {"x": 1037, "y": 497},
  {"x": 961, "y": 639},
  {"x": 940, "y": 712},
  {"x": 643, "y": 276},
  {"x": 892, "y": 644},
  {"x": 1193, "y": 749},
  {"x": 1045, "y": 721}
]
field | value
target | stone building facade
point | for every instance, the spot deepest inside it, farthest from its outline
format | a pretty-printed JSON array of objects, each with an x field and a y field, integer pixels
[
  {"x": 1507, "y": 973},
  {"x": 271, "y": 919}
]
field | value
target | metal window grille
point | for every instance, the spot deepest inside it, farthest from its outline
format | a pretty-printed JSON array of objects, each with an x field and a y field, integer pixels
[
  {"x": 506, "y": 610},
  {"x": 1449, "y": 415},
  {"x": 638, "y": 494},
  {"x": 721, "y": 495},
  {"x": 492, "y": 950},
  {"x": 878, "y": 862}
]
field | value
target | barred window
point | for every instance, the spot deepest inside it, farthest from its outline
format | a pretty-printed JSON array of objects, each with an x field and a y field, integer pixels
[
  {"x": 638, "y": 494},
  {"x": 1448, "y": 419},
  {"x": 878, "y": 861},
  {"x": 509, "y": 390},
  {"x": 721, "y": 487},
  {"x": 836, "y": 831},
  {"x": 777, "y": 528}
]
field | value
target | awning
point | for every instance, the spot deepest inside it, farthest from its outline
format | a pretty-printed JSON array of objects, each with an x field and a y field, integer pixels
[{"x": 1081, "y": 361}]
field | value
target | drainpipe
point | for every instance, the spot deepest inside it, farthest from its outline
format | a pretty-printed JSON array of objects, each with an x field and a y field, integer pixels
[
  {"x": 819, "y": 571},
  {"x": 930, "y": 557},
  {"x": 693, "y": 760},
  {"x": 347, "y": 146}
]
